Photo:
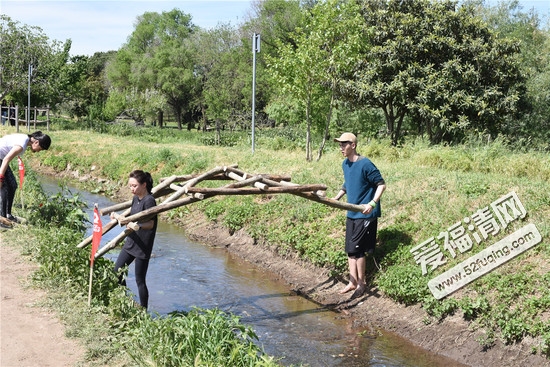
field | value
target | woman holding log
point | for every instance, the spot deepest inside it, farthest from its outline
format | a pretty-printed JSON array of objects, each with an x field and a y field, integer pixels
[
  {"x": 139, "y": 244},
  {"x": 11, "y": 146}
]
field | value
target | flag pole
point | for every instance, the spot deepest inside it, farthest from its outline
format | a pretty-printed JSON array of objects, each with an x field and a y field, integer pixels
[
  {"x": 96, "y": 239},
  {"x": 21, "y": 179},
  {"x": 90, "y": 285}
]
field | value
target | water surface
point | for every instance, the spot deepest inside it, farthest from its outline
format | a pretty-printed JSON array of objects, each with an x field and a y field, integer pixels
[{"x": 183, "y": 274}]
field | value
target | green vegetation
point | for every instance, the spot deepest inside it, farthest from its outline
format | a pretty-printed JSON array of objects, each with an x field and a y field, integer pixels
[
  {"x": 114, "y": 323},
  {"x": 429, "y": 189},
  {"x": 403, "y": 75},
  {"x": 442, "y": 70}
]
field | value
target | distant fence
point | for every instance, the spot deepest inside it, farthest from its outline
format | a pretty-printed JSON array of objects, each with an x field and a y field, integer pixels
[{"x": 10, "y": 114}]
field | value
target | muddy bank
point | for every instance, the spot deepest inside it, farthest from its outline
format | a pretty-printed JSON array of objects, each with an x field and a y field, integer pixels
[{"x": 453, "y": 338}]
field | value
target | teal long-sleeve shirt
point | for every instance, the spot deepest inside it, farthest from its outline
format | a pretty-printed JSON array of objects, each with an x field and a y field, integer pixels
[{"x": 361, "y": 178}]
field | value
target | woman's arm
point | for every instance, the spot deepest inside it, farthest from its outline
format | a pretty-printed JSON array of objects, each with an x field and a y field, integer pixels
[
  {"x": 14, "y": 152},
  {"x": 147, "y": 225},
  {"x": 7, "y": 159}
]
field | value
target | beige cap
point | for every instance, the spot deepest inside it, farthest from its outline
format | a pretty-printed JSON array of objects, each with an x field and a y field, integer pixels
[{"x": 347, "y": 137}]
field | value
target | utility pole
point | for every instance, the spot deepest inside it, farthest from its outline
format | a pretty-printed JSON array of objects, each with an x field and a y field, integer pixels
[
  {"x": 255, "y": 49},
  {"x": 29, "y": 100}
]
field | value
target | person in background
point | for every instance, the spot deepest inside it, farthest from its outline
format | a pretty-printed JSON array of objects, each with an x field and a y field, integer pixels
[
  {"x": 139, "y": 245},
  {"x": 11, "y": 146},
  {"x": 4, "y": 112},
  {"x": 363, "y": 185},
  {"x": 12, "y": 113}
]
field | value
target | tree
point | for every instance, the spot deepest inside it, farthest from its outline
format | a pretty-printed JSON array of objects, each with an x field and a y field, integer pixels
[
  {"x": 509, "y": 20},
  {"x": 82, "y": 87},
  {"x": 22, "y": 46},
  {"x": 276, "y": 21},
  {"x": 437, "y": 64},
  {"x": 225, "y": 72},
  {"x": 160, "y": 56},
  {"x": 307, "y": 69}
]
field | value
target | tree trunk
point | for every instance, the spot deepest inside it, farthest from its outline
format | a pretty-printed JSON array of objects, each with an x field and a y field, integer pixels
[
  {"x": 395, "y": 139},
  {"x": 308, "y": 130},
  {"x": 160, "y": 117},
  {"x": 329, "y": 117}
]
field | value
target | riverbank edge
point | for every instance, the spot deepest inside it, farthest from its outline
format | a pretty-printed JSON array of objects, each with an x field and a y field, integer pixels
[{"x": 453, "y": 338}]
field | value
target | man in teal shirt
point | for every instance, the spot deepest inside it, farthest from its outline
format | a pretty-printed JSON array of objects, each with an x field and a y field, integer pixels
[{"x": 363, "y": 185}]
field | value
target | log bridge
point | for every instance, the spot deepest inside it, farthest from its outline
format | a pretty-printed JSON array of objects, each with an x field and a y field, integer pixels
[{"x": 182, "y": 190}]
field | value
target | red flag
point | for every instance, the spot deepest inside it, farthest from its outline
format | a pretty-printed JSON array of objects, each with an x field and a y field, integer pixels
[
  {"x": 21, "y": 172},
  {"x": 96, "y": 235}
]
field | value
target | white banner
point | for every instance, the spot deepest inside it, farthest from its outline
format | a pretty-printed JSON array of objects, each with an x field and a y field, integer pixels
[{"x": 485, "y": 261}]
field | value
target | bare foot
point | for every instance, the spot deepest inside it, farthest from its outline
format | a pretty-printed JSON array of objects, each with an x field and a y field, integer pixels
[
  {"x": 359, "y": 291},
  {"x": 349, "y": 287}
]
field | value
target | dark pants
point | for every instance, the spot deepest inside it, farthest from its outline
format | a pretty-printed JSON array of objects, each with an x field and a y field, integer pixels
[
  {"x": 141, "y": 265},
  {"x": 7, "y": 192}
]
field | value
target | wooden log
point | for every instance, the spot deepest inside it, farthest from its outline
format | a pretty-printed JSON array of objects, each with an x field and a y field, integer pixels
[
  {"x": 243, "y": 183},
  {"x": 256, "y": 190},
  {"x": 209, "y": 192},
  {"x": 175, "y": 187},
  {"x": 240, "y": 175},
  {"x": 151, "y": 212},
  {"x": 183, "y": 190},
  {"x": 132, "y": 225},
  {"x": 321, "y": 199},
  {"x": 249, "y": 181},
  {"x": 114, "y": 208},
  {"x": 237, "y": 177},
  {"x": 277, "y": 178},
  {"x": 183, "y": 178},
  {"x": 106, "y": 228},
  {"x": 112, "y": 244},
  {"x": 161, "y": 187},
  {"x": 222, "y": 177},
  {"x": 157, "y": 191}
]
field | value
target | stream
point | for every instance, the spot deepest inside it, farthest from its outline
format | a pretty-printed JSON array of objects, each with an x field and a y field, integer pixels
[{"x": 183, "y": 274}]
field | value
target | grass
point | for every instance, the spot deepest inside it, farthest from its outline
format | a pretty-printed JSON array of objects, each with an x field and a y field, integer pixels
[
  {"x": 429, "y": 188},
  {"x": 114, "y": 323}
]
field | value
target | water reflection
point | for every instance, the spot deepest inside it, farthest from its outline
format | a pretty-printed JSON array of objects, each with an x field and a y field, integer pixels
[{"x": 183, "y": 274}]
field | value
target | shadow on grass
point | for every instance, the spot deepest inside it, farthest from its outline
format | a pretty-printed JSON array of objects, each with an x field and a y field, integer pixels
[{"x": 389, "y": 240}]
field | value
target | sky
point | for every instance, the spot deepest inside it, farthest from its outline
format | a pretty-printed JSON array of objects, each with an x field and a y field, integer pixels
[{"x": 104, "y": 25}]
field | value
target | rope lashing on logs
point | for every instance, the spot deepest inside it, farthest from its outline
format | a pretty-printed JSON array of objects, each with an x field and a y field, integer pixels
[{"x": 182, "y": 190}]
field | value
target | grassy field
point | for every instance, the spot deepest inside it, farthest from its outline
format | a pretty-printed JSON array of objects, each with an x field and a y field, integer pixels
[{"x": 429, "y": 189}]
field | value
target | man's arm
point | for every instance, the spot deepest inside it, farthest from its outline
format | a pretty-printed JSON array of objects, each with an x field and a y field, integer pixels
[{"x": 376, "y": 199}]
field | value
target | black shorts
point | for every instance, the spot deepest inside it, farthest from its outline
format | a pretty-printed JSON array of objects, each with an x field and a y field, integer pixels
[{"x": 360, "y": 236}]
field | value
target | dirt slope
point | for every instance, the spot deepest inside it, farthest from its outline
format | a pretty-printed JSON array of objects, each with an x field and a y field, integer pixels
[
  {"x": 30, "y": 335},
  {"x": 451, "y": 338}
]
